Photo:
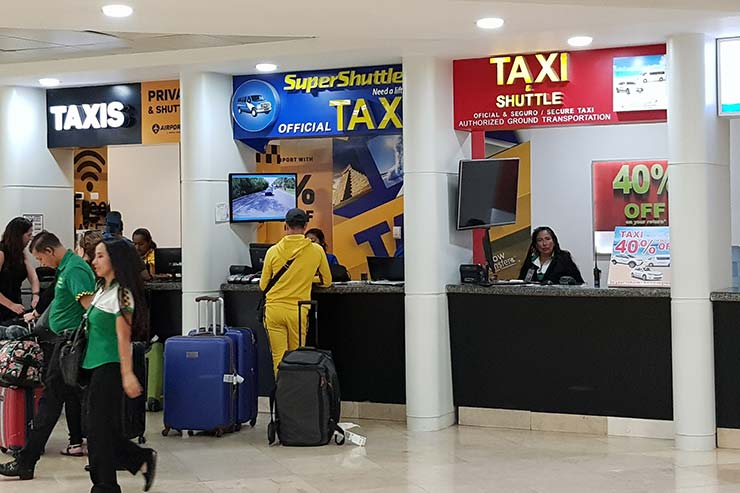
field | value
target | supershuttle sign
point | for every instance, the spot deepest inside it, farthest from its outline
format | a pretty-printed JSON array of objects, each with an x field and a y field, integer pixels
[
  {"x": 325, "y": 103},
  {"x": 593, "y": 87}
]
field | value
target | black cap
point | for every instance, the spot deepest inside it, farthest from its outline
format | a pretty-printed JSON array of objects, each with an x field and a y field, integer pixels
[{"x": 297, "y": 217}]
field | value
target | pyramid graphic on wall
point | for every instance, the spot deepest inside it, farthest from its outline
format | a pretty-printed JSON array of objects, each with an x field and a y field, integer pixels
[{"x": 349, "y": 185}]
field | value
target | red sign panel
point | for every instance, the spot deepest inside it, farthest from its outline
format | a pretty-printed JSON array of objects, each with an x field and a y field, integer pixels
[
  {"x": 630, "y": 193},
  {"x": 596, "y": 87}
]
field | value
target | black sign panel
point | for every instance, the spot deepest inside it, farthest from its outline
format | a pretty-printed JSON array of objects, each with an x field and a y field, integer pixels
[{"x": 93, "y": 116}]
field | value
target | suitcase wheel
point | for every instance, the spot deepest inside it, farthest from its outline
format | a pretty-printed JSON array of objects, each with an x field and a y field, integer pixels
[
  {"x": 219, "y": 432},
  {"x": 166, "y": 431},
  {"x": 253, "y": 422},
  {"x": 153, "y": 405},
  {"x": 238, "y": 427},
  {"x": 142, "y": 440}
]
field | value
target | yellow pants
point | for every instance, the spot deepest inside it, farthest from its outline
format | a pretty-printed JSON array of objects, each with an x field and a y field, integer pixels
[{"x": 281, "y": 322}]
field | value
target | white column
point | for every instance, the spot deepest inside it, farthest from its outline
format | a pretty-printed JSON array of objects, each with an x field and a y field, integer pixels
[
  {"x": 698, "y": 155},
  {"x": 433, "y": 249},
  {"x": 33, "y": 179},
  {"x": 208, "y": 154}
]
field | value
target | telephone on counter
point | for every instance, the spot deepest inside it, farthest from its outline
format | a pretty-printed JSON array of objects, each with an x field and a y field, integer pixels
[{"x": 242, "y": 274}]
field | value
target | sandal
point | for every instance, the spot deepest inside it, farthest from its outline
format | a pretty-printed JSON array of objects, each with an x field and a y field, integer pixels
[{"x": 73, "y": 451}]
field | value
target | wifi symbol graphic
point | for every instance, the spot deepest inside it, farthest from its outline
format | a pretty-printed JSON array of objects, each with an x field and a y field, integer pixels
[{"x": 89, "y": 167}]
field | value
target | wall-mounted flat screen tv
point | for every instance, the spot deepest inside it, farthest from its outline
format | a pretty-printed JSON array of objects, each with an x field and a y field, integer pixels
[
  {"x": 261, "y": 197},
  {"x": 487, "y": 193}
]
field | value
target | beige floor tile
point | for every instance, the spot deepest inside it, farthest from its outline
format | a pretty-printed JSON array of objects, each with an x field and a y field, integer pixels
[{"x": 457, "y": 459}]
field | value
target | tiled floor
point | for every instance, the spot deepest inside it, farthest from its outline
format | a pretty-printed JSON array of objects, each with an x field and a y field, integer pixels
[{"x": 457, "y": 459}]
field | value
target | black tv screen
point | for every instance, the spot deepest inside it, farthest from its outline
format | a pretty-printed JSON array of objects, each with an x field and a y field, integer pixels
[
  {"x": 487, "y": 193},
  {"x": 261, "y": 197}
]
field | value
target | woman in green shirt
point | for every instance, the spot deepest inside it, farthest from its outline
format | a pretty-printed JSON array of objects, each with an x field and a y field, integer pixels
[{"x": 116, "y": 312}]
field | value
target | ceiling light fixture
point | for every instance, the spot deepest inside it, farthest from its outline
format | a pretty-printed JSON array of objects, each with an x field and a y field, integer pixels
[
  {"x": 49, "y": 82},
  {"x": 580, "y": 41},
  {"x": 489, "y": 23},
  {"x": 266, "y": 67},
  {"x": 117, "y": 10}
]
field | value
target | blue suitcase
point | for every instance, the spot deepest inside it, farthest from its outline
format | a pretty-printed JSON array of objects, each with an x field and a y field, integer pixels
[
  {"x": 200, "y": 381},
  {"x": 245, "y": 343},
  {"x": 245, "y": 347}
]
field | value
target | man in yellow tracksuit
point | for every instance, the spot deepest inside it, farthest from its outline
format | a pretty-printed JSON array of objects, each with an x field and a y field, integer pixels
[{"x": 309, "y": 266}]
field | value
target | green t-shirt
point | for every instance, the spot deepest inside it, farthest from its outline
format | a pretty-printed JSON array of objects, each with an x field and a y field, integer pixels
[
  {"x": 102, "y": 340},
  {"x": 75, "y": 279}
]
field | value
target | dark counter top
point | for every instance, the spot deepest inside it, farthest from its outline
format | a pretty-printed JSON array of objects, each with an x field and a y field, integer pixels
[
  {"x": 727, "y": 294},
  {"x": 359, "y": 287},
  {"x": 562, "y": 291},
  {"x": 163, "y": 286}
]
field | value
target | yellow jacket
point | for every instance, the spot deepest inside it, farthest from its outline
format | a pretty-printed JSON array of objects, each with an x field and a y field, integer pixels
[{"x": 295, "y": 285}]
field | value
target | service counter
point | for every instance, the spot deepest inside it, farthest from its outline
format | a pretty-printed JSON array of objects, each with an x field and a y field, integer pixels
[
  {"x": 562, "y": 349},
  {"x": 361, "y": 323},
  {"x": 165, "y": 308},
  {"x": 726, "y": 308}
]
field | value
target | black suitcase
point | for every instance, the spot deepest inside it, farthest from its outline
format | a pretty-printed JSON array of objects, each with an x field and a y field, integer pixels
[
  {"x": 134, "y": 410},
  {"x": 306, "y": 403}
]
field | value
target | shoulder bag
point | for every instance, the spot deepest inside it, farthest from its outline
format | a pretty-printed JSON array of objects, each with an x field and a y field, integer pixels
[
  {"x": 263, "y": 299},
  {"x": 72, "y": 353}
]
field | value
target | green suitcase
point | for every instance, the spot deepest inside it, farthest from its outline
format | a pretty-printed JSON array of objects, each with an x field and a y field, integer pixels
[{"x": 155, "y": 377}]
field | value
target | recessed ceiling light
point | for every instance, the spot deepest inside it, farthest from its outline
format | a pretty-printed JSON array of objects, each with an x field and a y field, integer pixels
[
  {"x": 490, "y": 23},
  {"x": 580, "y": 41},
  {"x": 117, "y": 10},
  {"x": 266, "y": 67},
  {"x": 49, "y": 82}
]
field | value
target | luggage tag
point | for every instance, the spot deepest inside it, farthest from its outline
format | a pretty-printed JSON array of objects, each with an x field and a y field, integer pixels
[
  {"x": 234, "y": 379},
  {"x": 354, "y": 438}
]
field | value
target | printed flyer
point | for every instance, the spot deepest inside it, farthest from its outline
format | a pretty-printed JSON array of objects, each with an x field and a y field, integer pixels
[{"x": 640, "y": 257}]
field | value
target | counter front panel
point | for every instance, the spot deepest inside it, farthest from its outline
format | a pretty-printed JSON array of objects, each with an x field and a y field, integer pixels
[{"x": 574, "y": 351}]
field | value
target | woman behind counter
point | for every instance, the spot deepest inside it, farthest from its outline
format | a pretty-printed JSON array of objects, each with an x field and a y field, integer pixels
[{"x": 546, "y": 261}]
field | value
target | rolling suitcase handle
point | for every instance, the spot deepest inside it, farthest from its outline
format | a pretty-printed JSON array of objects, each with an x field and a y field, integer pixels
[
  {"x": 315, "y": 305},
  {"x": 216, "y": 321}
]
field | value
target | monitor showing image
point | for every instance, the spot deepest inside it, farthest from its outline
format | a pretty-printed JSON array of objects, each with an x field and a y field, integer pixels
[
  {"x": 487, "y": 194},
  {"x": 260, "y": 197}
]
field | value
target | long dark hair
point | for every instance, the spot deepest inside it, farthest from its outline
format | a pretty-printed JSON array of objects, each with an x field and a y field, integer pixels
[
  {"x": 319, "y": 236},
  {"x": 12, "y": 241},
  {"x": 533, "y": 252},
  {"x": 125, "y": 263}
]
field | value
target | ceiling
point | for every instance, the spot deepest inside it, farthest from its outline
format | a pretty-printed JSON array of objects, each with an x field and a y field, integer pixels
[
  {"x": 30, "y": 45},
  {"x": 230, "y": 36}
]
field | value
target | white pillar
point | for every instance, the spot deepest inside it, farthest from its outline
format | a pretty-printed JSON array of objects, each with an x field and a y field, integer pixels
[
  {"x": 208, "y": 154},
  {"x": 433, "y": 249},
  {"x": 698, "y": 157},
  {"x": 33, "y": 179}
]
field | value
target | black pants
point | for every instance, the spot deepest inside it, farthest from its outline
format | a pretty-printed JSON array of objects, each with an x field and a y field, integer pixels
[
  {"x": 107, "y": 447},
  {"x": 56, "y": 394}
]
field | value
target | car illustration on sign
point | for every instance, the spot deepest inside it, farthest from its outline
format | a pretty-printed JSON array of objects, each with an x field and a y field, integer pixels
[
  {"x": 646, "y": 274},
  {"x": 657, "y": 76},
  {"x": 625, "y": 258},
  {"x": 627, "y": 86},
  {"x": 253, "y": 104},
  {"x": 659, "y": 261}
]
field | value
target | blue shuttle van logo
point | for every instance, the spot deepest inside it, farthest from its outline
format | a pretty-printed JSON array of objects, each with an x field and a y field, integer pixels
[{"x": 254, "y": 105}]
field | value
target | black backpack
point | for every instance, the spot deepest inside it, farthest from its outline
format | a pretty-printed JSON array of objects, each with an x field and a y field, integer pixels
[{"x": 306, "y": 403}]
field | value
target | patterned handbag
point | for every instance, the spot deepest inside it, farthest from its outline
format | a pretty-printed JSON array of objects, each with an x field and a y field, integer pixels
[{"x": 21, "y": 363}]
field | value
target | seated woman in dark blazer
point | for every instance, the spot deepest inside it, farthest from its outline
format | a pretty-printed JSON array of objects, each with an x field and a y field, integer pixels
[{"x": 546, "y": 262}]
